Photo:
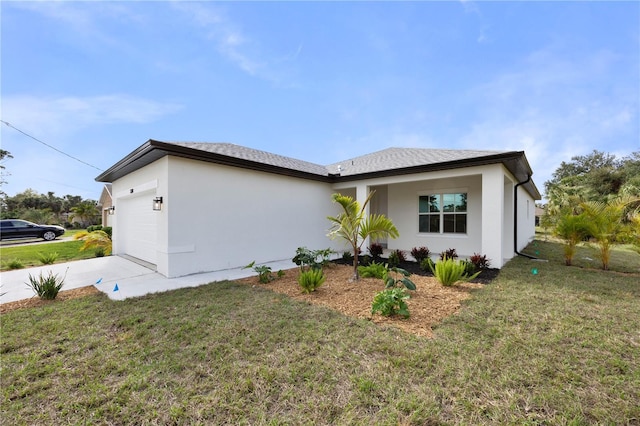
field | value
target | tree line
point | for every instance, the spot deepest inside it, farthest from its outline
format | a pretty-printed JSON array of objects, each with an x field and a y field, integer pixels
[{"x": 69, "y": 210}]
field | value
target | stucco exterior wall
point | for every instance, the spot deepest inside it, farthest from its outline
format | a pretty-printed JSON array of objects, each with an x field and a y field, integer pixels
[
  {"x": 403, "y": 211},
  {"x": 141, "y": 185},
  {"x": 526, "y": 218},
  {"x": 225, "y": 217}
]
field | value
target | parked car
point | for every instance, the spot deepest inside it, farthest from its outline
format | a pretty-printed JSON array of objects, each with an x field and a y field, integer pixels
[{"x": 15, "y": 228}]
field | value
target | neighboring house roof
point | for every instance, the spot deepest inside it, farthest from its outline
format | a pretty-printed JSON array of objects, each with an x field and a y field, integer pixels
[
  {"x": 388, "y": 162},
  {"x": 105, "y": 196}
]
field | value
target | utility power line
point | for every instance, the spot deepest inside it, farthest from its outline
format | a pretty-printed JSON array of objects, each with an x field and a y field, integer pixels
[{"x": 50, "y": 146}]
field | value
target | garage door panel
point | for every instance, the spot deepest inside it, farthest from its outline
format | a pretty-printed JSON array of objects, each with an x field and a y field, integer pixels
[{"x": 138, "y": 228}]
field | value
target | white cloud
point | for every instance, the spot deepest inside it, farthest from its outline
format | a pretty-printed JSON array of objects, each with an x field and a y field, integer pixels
[{"x": 64, "y": 115}]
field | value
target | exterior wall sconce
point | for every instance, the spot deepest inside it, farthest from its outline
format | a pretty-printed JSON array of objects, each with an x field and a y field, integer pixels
[
  {"x": 157, "y": 203},
  {"x": 111, "y": 210}
]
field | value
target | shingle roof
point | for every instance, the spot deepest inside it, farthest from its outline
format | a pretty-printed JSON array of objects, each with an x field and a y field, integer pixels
[
  {"x": 388, "y": 162},
  {"x": 250, "y": 154},
  {"x": 400, "y": 158}
]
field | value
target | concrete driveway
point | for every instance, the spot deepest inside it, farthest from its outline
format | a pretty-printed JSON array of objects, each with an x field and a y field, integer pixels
[{"x": 105, "y": 273}]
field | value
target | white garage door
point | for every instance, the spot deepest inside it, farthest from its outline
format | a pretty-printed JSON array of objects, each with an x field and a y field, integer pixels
[{"x": 138, "y": 232}]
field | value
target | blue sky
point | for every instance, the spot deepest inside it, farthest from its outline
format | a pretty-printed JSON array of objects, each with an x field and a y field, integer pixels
[{"x": 321, "y": 82}]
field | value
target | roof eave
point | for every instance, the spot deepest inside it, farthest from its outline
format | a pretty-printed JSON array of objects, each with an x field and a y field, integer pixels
[{"x": 153, "y": 150}]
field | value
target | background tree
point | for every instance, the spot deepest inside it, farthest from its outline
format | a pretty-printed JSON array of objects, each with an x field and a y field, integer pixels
[
  {"x": 86, "y": 212},
  {"x": 3, "y": 154},
  {"x": 354, "y": 226}
]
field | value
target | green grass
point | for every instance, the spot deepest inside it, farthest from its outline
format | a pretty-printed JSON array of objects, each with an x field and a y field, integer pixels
[
  {"x": 560, "y": 347},
  {"x": 29, "y": 254}
]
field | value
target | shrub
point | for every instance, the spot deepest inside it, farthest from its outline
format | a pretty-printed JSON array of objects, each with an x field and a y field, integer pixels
[
  {"x": 365, "y": 260},
  {"x": 311, "y": 259},
  {"x": 396, "y": 257},
  {"x": 373, "y": 270},
  {"x": 451, "y": 271},
  {"x": 469, "y": 267},
  {"x": 94, "y": 240},
  {"x": 427, "y": 264},
  {"x": 347, "y": 256},
  {"x": 449, "y": 254},
  {"x": 401, "y": 277},
  {"x": 93, "y": 228},
  {"x": 46, "y": 287},
  {"x": 100, "y": 252},
  {"x": 15, "y": 264},
  {"x": 420, "y": 253},
  {"x": 49, "y": 258},
  {"x": 391, "y": 302},
  {"x": 480, "y": 261},
  {"x": 310, "y": 280},
  {"x": 108, "y": 230},
  {"x": 376, "y": 250}
]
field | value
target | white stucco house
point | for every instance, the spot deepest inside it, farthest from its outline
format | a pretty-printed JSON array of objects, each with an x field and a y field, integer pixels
[{"x": 184, "y": 208}]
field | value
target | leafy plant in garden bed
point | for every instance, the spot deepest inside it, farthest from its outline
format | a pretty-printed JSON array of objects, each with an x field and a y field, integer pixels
[
  {"x": 450, "y": 271},
  {"x": 375, "y": 250},
  {"x": 420, "y": 253},
  {"x": 391, "y": 301},
  {"x": 312, "y": 259},
  {"x": 265, "y": 275},
  {"x": 372, "y": 270},
  {"x": 311, "y": 279}
]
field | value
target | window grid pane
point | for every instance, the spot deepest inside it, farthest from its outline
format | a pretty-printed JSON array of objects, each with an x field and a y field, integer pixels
[{"x": 446, "y": 209}]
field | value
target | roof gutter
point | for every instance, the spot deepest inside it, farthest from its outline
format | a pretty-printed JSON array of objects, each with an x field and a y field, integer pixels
[{"x": 515, "y": 218}]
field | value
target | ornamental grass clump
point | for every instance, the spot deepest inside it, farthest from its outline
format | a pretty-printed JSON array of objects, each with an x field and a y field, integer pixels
[
  {"x": 451, "y": 271},
  {"x": 46, "y": 287},
  {"x": 372, "y": 270},
  {"x": 48, "y": 258}
]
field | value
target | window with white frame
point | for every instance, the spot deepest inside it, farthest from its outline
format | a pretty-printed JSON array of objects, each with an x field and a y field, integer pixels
[{"x": 443, "y": 213}]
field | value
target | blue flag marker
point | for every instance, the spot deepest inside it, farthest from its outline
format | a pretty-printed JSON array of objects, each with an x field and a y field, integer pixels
[
  {"x": 99, "y": 281},
  {"x": 116, "y": 287},
  {"x": 534, "y": 271}
]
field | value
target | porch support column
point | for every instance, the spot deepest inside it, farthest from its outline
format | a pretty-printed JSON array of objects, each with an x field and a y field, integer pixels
[
  {"x": 362, "y": 192},
  {"x": 493, "y": 215}
]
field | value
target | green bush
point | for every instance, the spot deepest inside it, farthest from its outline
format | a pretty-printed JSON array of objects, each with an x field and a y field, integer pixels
[
  {"x": 100, "y": 252},
  {"x": 450, "y": 271},
  {"x": 15, "y": 264},
  {"x": 391, "y": 301},
  {"x": 312, "y": 259},
  {"x": 108, "y": 230},
  {"x": 373, "y": 270},
  {"x": 347, "y": 256},
  {"x": 394, "y": 259},
  {"x": 46, "y": 287},
  {"x": 311, "y": 279},
  {"x": 427, "y": 264},
  {"x": 48, "y": 258}
]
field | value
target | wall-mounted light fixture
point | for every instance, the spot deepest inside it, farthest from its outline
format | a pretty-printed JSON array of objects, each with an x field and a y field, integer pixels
[
  {"x": 111, "y": 210},
  {"x": 157, "y": 203}
]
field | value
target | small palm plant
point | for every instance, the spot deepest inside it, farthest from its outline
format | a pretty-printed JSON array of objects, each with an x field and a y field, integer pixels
[
  {"x": 355, "y": 226},
  {"x": 606, "y": 224},
  {"x": 572, "y": 229}
]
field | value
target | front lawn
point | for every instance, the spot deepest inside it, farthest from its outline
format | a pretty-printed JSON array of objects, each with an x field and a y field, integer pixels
[
  {"x": 28, "y": 254},
  {"x": 558, "y": 347}
]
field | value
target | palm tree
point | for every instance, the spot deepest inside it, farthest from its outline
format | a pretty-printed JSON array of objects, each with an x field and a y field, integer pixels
[
  {"x": 606, "y": 223},
  {"x": 86, "y": 211},
  {"x": 572, "y": 229},
  {"x": 354, "y": 226}
]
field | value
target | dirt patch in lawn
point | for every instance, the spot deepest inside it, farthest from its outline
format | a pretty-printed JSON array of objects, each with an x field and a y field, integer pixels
[
  {"x": 429, "y": 304},
  {"x": 35, "y": 301}
]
